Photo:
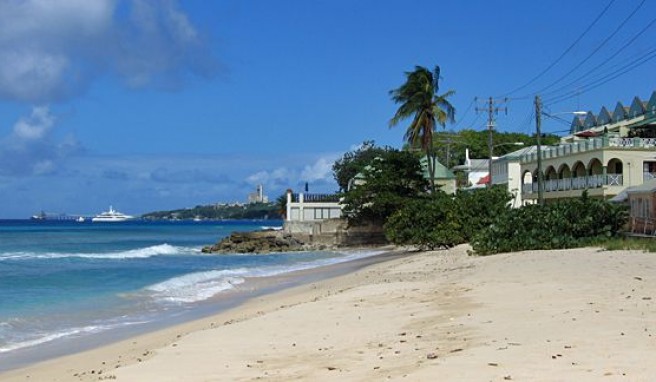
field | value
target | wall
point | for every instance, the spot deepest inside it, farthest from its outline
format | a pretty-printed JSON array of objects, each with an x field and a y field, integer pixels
[{"x": 335, "y": 232}]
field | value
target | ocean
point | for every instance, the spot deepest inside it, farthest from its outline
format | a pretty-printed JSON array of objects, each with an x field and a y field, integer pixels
[{"x": 70, "y": 281}]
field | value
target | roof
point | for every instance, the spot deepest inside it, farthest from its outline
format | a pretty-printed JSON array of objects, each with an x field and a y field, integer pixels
[
  {"x": 476, "y": 165},
  {"x": 441, "y": 172},
  {"x": 648, "y": 186},
  {"x": 518, "y": 153}
]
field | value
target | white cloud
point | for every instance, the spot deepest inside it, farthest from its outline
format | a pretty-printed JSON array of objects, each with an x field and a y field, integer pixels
[
  {"x": 321, "y": 170},
  {"x": 31, "y": 149},
  {"x": 36, "y": 126},
  {"x": 275, "y": 176},
  {"x": 53, "y": 49}
]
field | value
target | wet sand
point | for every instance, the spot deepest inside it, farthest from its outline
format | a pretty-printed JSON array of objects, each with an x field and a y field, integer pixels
[{"x": 583, "y": 315}]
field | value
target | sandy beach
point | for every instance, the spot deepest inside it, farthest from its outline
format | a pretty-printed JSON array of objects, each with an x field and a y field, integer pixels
[{"x": 569, "y": 315}]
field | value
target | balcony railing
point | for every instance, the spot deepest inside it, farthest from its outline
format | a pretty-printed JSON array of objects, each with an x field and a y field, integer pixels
[
  {"x": 589, "y": 145},
  {"x": 314, "y": 198},
  {"x": 580, "y": 183},
  {"x": 648, "y": 176}
]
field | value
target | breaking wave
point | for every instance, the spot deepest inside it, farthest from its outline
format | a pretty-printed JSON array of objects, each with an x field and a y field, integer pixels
[
  {"x": 199, "y": 286},
  {"x": 155, "y": 250}
]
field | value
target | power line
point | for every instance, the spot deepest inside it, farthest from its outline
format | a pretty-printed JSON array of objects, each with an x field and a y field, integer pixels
[
  {"x": 465, "y": 113},
  {"x": 562, "y": 55},
  {"x": 492, "y": 109},
  {"x": 622, "y": 24},
  {"x": 604, "y": 79},
  {"x": 606, "y": 61}
]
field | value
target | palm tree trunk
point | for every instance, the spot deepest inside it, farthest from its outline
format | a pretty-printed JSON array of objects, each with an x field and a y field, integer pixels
[{"x": 430, "y": 156}]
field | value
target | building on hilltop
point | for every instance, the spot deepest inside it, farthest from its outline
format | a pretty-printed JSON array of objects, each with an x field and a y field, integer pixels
[{"x": 258, "y": 196}]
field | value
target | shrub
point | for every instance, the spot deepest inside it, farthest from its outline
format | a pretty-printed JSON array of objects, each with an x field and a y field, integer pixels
[
  {"x": 564, "y": 224},
  {"x": 427, "y": 223},
  {"x": 478, "y": 209}
]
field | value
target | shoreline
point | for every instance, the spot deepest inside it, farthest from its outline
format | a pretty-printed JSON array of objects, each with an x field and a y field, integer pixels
[
  {"x": 581, "y": 314},
  {"x": 253, "y": 287}
]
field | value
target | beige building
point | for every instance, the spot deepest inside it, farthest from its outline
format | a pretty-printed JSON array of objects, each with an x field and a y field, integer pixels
[{"x": 604, "y": 153}]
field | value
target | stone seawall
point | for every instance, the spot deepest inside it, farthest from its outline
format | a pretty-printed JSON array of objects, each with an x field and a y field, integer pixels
[{"x": 301, "y": 236}]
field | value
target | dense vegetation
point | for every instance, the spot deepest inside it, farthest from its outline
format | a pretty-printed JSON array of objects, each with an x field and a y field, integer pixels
[
  {"x": 353, "y": 162},
  {"x": 449, "y": 146},
  {"x": 564, "y": 224},
  {"x": 442, "y": 221},
  {"x": 382, "y": 186},
  {"x": 483, "y": 218},
  {"x": 220, "y": 211}
]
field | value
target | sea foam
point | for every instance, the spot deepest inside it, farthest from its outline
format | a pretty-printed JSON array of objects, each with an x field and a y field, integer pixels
[
  {"x": 44, "y": 337},
  {"x": 155, "y": 250},
  {"x": 199, "y": 286}
]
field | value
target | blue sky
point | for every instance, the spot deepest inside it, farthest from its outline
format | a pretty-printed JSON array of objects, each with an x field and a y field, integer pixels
[{"x": 151, "y": 105}]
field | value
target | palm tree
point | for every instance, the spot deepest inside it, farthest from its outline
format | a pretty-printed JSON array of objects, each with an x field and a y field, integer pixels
[{"x": 419, "y": 99}]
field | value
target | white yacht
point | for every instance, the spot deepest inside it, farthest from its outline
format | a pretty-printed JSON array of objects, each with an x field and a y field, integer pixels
[{"x": 111, "y": 216}]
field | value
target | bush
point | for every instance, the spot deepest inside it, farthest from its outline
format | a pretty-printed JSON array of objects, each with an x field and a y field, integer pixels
[
  {"x": 442, "y": 221},
  {"x": 478, "y": 209},
  {"x": 565, "y": 224},
  {"x": 427, "y": 223}
]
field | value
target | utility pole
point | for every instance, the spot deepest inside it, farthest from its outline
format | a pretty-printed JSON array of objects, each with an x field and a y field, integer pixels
[
  {"x": 492, "y": 109},
  {"x": 538, "y": 127}
]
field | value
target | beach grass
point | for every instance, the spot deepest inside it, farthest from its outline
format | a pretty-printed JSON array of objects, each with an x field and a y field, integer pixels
[{"x": 645, "y": 244}]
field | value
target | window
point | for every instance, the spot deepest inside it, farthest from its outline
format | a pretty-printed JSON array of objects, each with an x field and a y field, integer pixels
[
  {"x": 649, "y": 167},
  {"x": 321, "y": 213}
]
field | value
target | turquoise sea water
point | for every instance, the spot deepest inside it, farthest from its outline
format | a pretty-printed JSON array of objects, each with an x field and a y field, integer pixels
[{"x": 62, "y": 280}]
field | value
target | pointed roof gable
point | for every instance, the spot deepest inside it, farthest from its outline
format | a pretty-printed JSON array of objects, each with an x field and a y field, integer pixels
[
  {"x": 619, "y": 114},
  {"x": 577, "y": 124},
  {"x": 604, "y": 117},
  {"x": 590, "y": 120},
  {"x": 651, "y": 106},
  {"x": 637, "y": 108}
]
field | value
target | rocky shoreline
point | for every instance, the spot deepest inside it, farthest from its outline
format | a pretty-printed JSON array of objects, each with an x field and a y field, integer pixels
[{"x": 266, "y": 241}]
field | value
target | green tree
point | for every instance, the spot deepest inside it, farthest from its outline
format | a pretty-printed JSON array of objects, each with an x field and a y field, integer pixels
[
  {"x": 353, "y": 162},
  {"x": 449, "y": 146},
  {"x": 383, "y": 186},
  {"x": 419, "y": 99},
  {"x": 281, "y": 205}
]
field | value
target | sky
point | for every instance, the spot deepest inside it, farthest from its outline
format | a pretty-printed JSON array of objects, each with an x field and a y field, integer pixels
[{"x": 157, "y": 105}]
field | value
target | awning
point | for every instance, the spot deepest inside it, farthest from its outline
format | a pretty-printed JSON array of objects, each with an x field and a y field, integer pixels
[{"x": 587, "y": 134}]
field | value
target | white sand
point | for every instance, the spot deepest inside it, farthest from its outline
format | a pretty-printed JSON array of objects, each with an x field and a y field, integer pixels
[{"x": 574, "y": 315}]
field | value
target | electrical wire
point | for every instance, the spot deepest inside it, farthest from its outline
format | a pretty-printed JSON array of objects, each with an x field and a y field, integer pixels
[
  {"x": 465, "y": 113},
  {"x": 604, "y": 42},
  {"x": 562, "y": 55},
  {"x": 605, "y": 62},
  {"x": 603, "y": 80}
]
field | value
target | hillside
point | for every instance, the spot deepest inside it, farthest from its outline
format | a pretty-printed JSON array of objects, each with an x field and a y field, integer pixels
[{"x": 220, "y": 211}]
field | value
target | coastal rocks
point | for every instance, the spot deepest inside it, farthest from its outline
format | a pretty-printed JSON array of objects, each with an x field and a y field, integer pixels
[{"x": 260, "y": 242}]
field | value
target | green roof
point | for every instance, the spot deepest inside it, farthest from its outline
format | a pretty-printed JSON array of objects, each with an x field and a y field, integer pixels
[{"x": 441, "y": 172}]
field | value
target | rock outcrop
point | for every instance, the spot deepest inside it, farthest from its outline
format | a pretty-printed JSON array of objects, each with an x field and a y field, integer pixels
[{"x": 260, "y": 242}]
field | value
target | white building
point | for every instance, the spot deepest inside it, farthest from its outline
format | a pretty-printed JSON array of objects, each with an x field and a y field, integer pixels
[{"x": 258, "y": 196}]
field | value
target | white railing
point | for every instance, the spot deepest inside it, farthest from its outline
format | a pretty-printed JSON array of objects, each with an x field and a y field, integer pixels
[
  {"x": 588, "y": 145},
  {"x": 580, "y": 183},
  {"x": 312, "y": 207},
  {"x": 648, "y": 176}
]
